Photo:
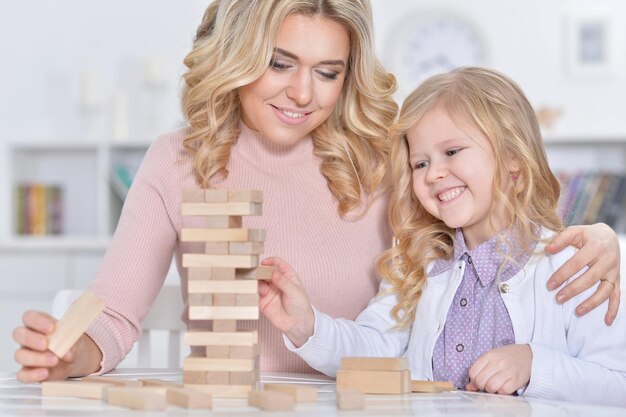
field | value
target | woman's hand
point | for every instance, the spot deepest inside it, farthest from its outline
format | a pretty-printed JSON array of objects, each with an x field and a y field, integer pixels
[
  {"x": 285, "y": 303},
  {"x": 38, "y": 363},
  {"x": 502, "y": 370},
  {"x": 599, "y": 250}
]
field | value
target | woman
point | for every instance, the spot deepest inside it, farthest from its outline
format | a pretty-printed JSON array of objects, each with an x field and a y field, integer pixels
[{"x": 285, "y": 96}]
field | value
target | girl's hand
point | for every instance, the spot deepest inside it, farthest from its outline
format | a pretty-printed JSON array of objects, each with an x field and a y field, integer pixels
[
  {"x": 38, "y": 363},
  {"x": 599, "y": 249},
  {"x": 285, "y": 303},
  {"x": 503, "y": 370}
]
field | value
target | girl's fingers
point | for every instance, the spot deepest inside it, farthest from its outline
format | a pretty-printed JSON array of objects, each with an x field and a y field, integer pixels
[
  {"x": 29, "y": 375},
  {"x": 39, "y": 321},
  {"x": 30, "y": 359},
  {"x": 30, "y": 339}
]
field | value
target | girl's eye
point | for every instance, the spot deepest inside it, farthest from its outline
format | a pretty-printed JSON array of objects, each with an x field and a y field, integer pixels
[
  {"x": 278, "y": 66},
  {"x": 452, "y": 152},
  {"x": 329, "y": 75},
  {"x": 420, "y": 165}
]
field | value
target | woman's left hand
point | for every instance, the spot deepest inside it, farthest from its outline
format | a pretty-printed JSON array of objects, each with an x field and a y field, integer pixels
[{"x": 599, "y": 250}]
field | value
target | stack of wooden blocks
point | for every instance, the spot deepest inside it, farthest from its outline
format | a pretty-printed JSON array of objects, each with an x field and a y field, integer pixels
[
  {"x": 375, "y": 375},
  {"x": 222, "y": 288}
]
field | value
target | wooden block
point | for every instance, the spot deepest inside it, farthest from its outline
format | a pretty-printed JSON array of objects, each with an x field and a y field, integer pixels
[
  {"x": 222, "y": 235},
  {"x": 193, "y": 363},
  {"x": 217, "y": 352},
  {"x": 300, "y": 393},
  {"x": 203, "y": 338},
  {"x": 253, "y": 196},
  {"x": 199, "y": 377},
  {"x": 245, "y": 378},
  {"x": 223, "y": 222},
  {"x": 350, "y": 399},
  {"x": 223, "y": 390},
  {"x": 374, "y": 364},
  {"x": 431, "y": 386},
  {"x": 192, "y": 260},
  {"x": 74, "y": 323},
  {"x": 223, "y": 287},
  {"x": 217, "y": 248},
  {"x": 246, "y": 248},
  {"x": 228, "y": 326},
  {"x": 270, "y": 400},
  {"x": 193, "y": 196},
  {"x": 221, "y": 209},
  {"x": 224, "y": 300},
  {"x": 215, "y": 196},
  {"x": 201, "y": 299},
  {"x": 136, "y": 398},
  {"x": 374, "y": 382},
  {"x": 199, "y": 274},
  {"x": 223, "y": 313},
  {"x": 217, "y": 378},
  {"x": 189, "y": 398},
  {"x": 259, "y": 273},
  {"x": 159, "y": 383},
  {"x": 244, "y": 352},
  {"x": 247, "y": 300},
  {"x": 78, "y": 389},
  {"x": 121, "y": 382}
]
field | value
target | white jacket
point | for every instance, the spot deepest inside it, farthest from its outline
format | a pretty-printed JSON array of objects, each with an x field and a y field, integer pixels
[{"x": 574, "y": 358}]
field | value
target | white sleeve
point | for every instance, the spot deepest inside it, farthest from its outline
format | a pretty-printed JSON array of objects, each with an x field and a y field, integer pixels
[{"x": 373, "y": 333}]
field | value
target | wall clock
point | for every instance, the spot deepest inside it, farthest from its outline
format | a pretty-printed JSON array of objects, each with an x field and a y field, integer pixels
[{"x": 428, "y": 43}]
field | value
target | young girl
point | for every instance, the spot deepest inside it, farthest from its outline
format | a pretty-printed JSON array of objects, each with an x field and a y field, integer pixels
[{"x": 464, "y": 290}]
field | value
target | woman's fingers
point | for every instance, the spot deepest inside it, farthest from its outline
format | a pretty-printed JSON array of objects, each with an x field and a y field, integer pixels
[
  {"x": 31, "y": 359},
  {"x": 29, "y": 375}
]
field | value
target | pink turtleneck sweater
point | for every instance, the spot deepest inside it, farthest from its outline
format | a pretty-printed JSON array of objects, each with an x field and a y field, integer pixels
[{"x": 333, "y": 256}]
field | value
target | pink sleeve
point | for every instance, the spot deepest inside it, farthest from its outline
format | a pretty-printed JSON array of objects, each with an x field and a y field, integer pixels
[{"x": 140, "y": 254}]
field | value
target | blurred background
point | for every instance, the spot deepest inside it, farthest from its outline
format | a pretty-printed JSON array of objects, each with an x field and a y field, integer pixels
[{"x": 86, "y": 86}]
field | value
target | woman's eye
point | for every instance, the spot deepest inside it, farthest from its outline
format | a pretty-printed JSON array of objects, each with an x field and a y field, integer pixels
[
  {"x": 278, "y": 66},
  {"x": 329, "y": 75}
]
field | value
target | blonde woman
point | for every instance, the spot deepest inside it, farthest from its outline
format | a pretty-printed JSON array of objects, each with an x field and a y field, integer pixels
[
  {"x": 288, "y": 97},
  {"x": 473, "y": 205}
]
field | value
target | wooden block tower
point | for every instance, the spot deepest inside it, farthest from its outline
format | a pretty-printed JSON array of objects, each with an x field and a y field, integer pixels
[{"x": 222, "y": 288}]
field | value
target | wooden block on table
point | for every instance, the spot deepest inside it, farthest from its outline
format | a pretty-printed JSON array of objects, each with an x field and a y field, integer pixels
[
  {"x": 223, "y": 313},
  {"x": 431, "y": 386},
  {"x": 222, "y": 235},
  {"x": 159, "y": 383},
  {"x": 78, "y": 389},
  {"x": 208, "y": 273},
  {"x": 246, "y": 248},
  {"x": 223, "y": 222},
  {"x": 244, "y": 378},
  {"x": 375, "y": 382},
  {"x": 215, "y": 196},
  {"x": 193, "y": 196},
  {"x": 223, "y": 390},
  {"x": 137, "y": 398},
  {"x": 74, "y": 323},
  {"x": 263, "y": 273},
  {"x": 201, "y": 299},
  {"x": 193, "y": 363},
  {"x": 223, "y": 287},
  {"x": 217, "y": 248},
  {"x": 270, "y": 400},
  {"x": 244, "y": 352},
  {"x": 222, "y": 209},
  {"x": 189, "y": 398},
  {"x": 193, "y": 260},
  {"x": 253, "y": 196},
  {"x": 217, "y": 352},
  {"x": 350, "y": 399},
  {"x": 228, "y": 326},
  {"x": 203, "y": 338},
  {"x": 121, "y": 382},
  {"x": 204, "y": 378},
  {"x": 300, "y": 393},
  {"x": 247, "y": 300},
  {"x": 374, "y": 364}
]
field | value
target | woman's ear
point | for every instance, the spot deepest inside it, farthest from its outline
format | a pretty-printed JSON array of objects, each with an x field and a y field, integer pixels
[{"x": 513, "y": 165}]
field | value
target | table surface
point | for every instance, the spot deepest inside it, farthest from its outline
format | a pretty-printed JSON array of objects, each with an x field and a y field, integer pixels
[{"x": 25, "y": 400}]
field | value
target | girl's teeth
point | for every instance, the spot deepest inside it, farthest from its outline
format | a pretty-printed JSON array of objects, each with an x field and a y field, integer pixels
[
  {"x": 293, "y": 115},
  {"x": 450, "y": 194}
]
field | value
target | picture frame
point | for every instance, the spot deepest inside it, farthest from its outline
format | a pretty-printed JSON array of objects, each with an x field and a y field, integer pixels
[{"x": 590, "y": 39}]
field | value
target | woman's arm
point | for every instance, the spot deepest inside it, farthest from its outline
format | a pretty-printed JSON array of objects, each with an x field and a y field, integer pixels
[{"x": 599, "y": 250}]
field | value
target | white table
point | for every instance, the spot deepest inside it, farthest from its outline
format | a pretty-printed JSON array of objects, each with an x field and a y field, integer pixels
[{"x": 25, "y": 400}]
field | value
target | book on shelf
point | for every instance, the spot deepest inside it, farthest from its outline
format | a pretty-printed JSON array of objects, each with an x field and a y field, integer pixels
[
  {"x": 121, "y": 179},
  {"x": 593, "y": 197},
  {"x": 38, "y": 209}
]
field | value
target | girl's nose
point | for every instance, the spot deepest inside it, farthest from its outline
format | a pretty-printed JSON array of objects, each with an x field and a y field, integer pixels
[{"x": 436, "y": 171}]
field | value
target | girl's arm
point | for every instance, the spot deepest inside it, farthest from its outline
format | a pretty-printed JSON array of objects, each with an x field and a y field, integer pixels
[
  {"x": 599, "y": 249},
  {"x": 320, "y": 339}
]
